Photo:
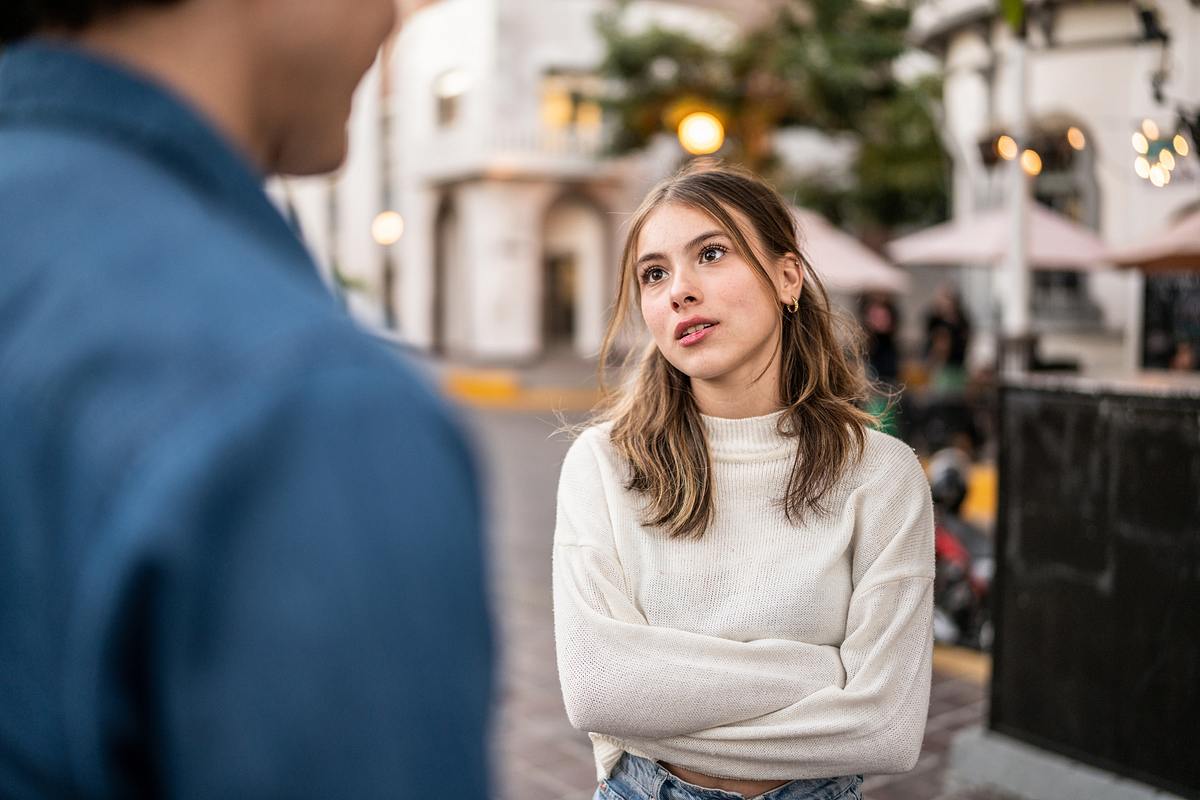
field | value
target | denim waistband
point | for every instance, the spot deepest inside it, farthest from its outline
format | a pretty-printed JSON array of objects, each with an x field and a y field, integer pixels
[{"x": 647, "y": 779}]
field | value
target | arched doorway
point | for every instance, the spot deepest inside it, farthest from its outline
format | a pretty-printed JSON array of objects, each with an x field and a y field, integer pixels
[{"x": 574, "y": 252}]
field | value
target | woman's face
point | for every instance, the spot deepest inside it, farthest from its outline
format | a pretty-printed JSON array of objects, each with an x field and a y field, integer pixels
[{"x": 705, "y": 306}]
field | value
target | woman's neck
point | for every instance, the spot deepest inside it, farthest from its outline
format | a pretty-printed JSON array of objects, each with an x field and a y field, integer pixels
[
  {"x": 737, "y": 404},
  {"x": 752, "y": 392}
]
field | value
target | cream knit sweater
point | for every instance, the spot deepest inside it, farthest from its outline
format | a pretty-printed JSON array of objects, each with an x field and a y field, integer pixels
[{"x": 763, "y": 650}]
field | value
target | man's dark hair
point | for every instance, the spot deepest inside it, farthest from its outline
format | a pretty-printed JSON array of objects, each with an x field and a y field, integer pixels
[{"x": 20, "y": 18}]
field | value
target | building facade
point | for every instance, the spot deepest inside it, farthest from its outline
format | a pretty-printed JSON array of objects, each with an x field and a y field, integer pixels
[
  {"x": 1097, "y": 71},
  {"x": 479, "y": 127}
]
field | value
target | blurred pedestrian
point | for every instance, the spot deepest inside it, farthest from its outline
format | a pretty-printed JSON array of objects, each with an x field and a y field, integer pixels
[
  {"x": 240, "y": 548},
  {"x": 947, "y": 339},
  {"x": 880, "y": 319},
  {"x": 1183, "y": 357},
  {"x": 742, "y": 567}
]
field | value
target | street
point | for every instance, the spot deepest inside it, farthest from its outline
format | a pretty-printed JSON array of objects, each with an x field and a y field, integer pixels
[{"x": 537, "y": 755}]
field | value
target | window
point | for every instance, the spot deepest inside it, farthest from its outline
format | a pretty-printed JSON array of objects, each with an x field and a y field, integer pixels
[
  {"x": 1067, "y": 183},
  {"x": 448, "y": 89},
  {"x": 569, "y": 102}
]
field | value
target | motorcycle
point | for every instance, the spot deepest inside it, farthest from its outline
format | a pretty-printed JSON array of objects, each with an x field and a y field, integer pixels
[{"x": 964, "y": 558}]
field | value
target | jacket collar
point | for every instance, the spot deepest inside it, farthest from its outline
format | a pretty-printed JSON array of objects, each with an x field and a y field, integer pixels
[{"x": 56, "y": 85}]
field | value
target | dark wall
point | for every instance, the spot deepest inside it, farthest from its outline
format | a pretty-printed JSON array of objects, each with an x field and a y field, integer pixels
[{"x": 1097, "y": 651}]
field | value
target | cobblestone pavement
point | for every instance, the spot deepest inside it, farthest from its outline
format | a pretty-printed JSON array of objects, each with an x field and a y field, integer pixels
[{"x": 537, "y": 755}]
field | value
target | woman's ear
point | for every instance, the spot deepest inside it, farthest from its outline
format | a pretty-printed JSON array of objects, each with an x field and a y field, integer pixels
[{"x": 789, "y": 278}]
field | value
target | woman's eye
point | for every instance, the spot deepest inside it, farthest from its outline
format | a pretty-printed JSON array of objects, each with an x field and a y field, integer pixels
[
  {"x": 653, "y": 275},
  {"x": 712, "y": 253}
]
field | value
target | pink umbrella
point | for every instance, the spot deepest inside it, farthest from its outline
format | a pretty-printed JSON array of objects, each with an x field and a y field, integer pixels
[
  {"x": 1176, "y": 248},
  {"x": 1056, "y": 242},
  {"x": 844, "y": 264}
]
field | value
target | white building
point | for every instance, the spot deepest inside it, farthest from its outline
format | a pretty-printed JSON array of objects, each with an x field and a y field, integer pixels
[
  {"x": 1091, "y": 66},
  {"x": 480, "y": 132}
]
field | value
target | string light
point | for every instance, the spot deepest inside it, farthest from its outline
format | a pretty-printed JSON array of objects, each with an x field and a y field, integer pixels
[
  {"x": 1006, "y": 147},
  {"x": 1075, "y": 138},
  {"x": 1142, "y": 167},
  {"x": 1031, "y": 162},
  {"x": 1140, "y": 143},
  {"x": 1166, "y": 159},
  {"x": 1159, "y": 176},
  {"x": 1180, "y": 144},
  {"x": 1150, "y": 129}
]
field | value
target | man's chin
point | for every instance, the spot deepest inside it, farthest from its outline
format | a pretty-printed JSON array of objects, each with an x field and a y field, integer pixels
[{"x": 311, "y": 158}]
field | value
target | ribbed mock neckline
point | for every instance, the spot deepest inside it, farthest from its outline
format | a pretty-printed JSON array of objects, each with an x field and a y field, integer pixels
[{"x": 749, "y": 438}]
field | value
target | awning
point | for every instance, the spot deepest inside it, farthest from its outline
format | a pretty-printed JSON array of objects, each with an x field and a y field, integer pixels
[
  {"x": 1176, "y": 248},
  {"x": 1056, "y": 242},
  {"x": 844, "y": 264}
]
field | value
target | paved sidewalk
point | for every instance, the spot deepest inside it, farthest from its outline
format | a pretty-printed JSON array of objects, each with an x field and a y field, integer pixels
[{"x": 538, "y": 755}]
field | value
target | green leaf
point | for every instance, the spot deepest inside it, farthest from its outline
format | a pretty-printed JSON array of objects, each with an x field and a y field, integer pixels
[
  {"x": 1013, "y": 12},
  {"x": 824, "y": 64}
]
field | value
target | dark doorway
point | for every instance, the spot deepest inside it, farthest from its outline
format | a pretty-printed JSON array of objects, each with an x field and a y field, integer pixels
[
  {"x": 558, "y": 299},
  {"x": 445, "y": 269}
]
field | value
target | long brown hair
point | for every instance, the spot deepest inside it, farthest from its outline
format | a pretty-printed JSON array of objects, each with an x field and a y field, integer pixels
[{"x": 656, "y": 426}]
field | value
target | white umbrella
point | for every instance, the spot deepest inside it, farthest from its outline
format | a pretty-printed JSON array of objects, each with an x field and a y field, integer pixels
[
  {"x": 1056, "y": 242},
  {"x": 1176, "y": 248},
  {"x": 844, "y": 264}
]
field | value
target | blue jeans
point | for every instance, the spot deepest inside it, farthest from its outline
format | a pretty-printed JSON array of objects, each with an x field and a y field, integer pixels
[{"x": 636, "y": 778}]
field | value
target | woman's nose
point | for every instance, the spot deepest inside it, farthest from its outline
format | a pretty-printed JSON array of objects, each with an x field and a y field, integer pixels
[{"x": 684, "y": 292}]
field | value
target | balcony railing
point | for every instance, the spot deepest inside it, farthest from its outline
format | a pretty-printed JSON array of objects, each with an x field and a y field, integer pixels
[{"x": 465, "y": 151}]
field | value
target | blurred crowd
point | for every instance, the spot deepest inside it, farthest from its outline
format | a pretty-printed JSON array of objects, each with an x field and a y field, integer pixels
[{"x": 927, "y": 395}]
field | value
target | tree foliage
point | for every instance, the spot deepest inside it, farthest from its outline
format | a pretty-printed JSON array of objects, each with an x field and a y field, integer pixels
[{"x": 823, "y": 64}]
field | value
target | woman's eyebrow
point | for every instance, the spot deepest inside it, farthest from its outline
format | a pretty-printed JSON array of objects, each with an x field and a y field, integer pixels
[{"x": 690, "y": 245}]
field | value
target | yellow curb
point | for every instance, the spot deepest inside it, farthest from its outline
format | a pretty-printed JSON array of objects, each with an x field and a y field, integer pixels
[
  {"x": 495, "y": 385},
  {"x": 960, "y": 662},
  {"x": 502, "y": 389},
  {"x": 534, "y": 399}
]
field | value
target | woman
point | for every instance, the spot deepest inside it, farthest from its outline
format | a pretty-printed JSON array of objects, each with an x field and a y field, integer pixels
[{"x": 742, "y": 567}]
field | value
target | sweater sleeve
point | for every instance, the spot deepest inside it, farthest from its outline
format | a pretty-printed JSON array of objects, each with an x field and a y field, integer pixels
[
  {"x": 876, "y": 721},
  {"x": 623, "y": 677}
]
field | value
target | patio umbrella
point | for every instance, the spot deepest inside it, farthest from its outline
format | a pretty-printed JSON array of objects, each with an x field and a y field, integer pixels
[
  {"x": 1176, "y": 248},
  {"x": 844, "y": 264},
  {"x": 1056, "y": 242}
]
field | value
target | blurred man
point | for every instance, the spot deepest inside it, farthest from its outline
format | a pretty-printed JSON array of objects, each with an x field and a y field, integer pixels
[{"x": 239, "y": 542}]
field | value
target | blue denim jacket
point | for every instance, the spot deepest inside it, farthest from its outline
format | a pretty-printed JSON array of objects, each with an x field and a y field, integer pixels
[{"x": 239, "y": 541}]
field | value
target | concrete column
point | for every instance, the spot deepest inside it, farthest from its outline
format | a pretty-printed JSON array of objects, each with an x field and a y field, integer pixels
[
  {"x": 1016, "y": 279},
  {"x": 359, "y": 200}
]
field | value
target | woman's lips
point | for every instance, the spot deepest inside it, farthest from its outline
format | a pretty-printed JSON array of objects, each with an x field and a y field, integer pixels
[{"x": 697, "y": 337}]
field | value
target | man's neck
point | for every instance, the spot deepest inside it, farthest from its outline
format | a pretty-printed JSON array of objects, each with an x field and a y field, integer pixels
[{"x": 197, "y": 60}]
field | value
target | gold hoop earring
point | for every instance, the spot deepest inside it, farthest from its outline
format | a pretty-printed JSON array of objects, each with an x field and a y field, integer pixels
[{"x": 794, "y": 306}]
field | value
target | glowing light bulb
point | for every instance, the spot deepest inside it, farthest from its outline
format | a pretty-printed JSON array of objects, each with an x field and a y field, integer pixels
[
  {"x": 1075, "y": 138},
  {"x": 387, "y": 228},
  {"x": 1031, "y": 162},
  {"x": 1180, "y": 144},
  {"x": 1167, "y": 159},
  {"x": 1006, "y": 147},
  {"x": 1140, "y": 144},
  {"x": 1150, "y": 129},
  {"x": 1158, "y": 176},
  {"x": 701, "y": 133}
]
